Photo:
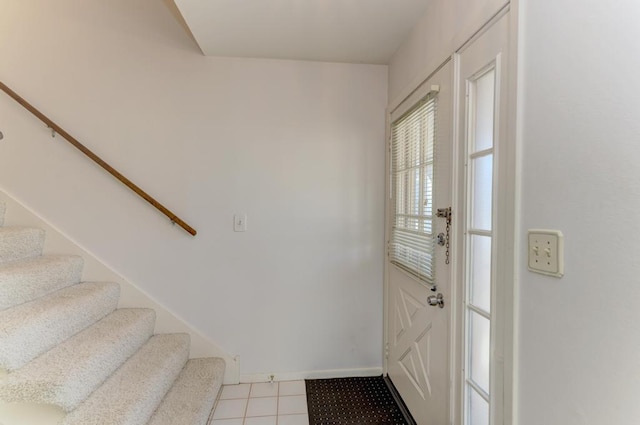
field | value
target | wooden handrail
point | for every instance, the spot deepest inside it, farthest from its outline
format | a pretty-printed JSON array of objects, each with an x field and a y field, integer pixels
[{"x": 95, "y": 158}]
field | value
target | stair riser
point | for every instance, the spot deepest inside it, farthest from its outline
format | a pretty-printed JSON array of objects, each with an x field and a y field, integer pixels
[
  {"x": 20, "y": 244},
  {"x": 26, "y": 281},
  {"x": 40, "y": 325}
]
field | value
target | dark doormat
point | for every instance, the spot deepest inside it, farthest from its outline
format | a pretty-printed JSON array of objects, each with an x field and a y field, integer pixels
[{"x": 351, "y": 401}]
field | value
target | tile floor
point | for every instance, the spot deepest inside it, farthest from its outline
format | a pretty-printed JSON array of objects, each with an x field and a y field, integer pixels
[{"x": 278, "y": 403}]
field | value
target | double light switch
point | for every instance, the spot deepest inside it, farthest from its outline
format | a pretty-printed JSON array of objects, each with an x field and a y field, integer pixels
[{"x": 546, "y": 252}]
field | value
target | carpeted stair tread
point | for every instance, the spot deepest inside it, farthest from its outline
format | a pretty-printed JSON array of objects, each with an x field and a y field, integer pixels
[
  {"x": 29, "y": 279},
  {"x": 30, "y": 329},
  {"x": 64, "y": 343},
  {"x": 192, "y": 396},
  {"x": 132, "y": 393},
  {"x": 67, "y": 374},
  {"x": 17, "y": 243}
]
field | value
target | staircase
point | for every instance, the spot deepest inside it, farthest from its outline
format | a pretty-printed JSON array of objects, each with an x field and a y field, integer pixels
[{"x": 64, "y": 343}]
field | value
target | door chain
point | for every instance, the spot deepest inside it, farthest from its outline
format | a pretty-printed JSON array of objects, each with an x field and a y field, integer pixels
[{"x": 446, "y": 213}]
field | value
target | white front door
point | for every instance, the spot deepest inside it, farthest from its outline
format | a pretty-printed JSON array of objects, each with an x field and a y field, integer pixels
[{"x": 417, "y": 334}]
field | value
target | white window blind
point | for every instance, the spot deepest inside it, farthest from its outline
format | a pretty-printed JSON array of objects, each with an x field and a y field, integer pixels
[{"x": 412, "y": 241}]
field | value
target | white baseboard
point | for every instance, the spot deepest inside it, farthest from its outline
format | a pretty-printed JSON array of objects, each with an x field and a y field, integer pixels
[{"x": 313, "y": 374}]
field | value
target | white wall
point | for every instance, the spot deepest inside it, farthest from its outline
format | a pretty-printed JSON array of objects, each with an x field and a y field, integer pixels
[
  {"x": 580, "y": 131},
  {"x": 298, "y": 146}
]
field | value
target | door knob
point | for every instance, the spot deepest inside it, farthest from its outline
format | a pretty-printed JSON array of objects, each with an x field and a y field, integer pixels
[{"x": 436, "y": 300}]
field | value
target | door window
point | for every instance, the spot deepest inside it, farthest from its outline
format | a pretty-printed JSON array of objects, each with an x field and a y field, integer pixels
[{"x": 411, "y": 246}]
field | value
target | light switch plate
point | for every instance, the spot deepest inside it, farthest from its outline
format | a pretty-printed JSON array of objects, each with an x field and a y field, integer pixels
[
  {"x": 546, "y": 252},
  {"x": 240, "y": 223}
]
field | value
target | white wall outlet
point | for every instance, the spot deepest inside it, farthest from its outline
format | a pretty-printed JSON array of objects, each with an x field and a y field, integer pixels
[
  {"x": 546, "y": 252},
  {"x": 240, "y": 223}
]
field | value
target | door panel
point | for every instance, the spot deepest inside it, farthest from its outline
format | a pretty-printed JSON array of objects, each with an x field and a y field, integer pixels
[
  {"x": 417, "y": 333},
  {"x": 418, "y": 353}
]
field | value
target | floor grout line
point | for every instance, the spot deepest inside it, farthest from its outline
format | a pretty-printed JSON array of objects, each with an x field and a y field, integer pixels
[
  {"x": 244, "y": 419},
  {"x": 278, "y": 406},
  {"x": 278, "y": 395}
]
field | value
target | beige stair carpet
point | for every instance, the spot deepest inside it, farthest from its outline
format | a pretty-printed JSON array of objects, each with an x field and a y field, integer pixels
[
  {"x": 65, "y": 345},
  {"x": 17, "y": 243},
  {"x": 40, "y": 325},
  {"x": 69, "y": 373},
  {"x": 131, "y": 395},
  {"x": 26, "y": 280},
  {"x": 193, "y": 395}
]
